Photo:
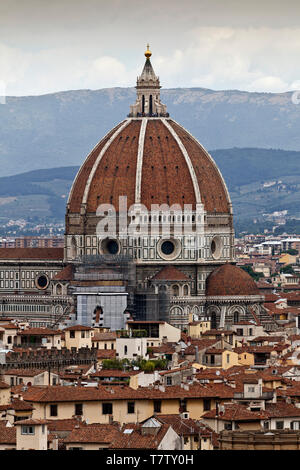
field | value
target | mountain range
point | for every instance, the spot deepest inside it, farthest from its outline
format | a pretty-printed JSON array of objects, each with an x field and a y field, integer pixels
[{"x": 59, "y": 129}]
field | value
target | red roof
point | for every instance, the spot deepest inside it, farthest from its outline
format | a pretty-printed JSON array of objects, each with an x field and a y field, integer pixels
[
  {"x": 229, "y": 280},
  {"x": 7, "y": 434},
  {"x": 106, "y": 353},
  {"x": 164, "y": 163},
  {"x": 170, "y": 273},
  {"x": 94, "y": 433},
  {"x": 32, "y": 253},
  {"x": 65, "y": 274},
  {"x": 185, "y": 426},
  {"x": 3, "y": 385},
  {"x": 78, "y": 328},
  {"x": 115, "y": 392},
  {"x": 136, "y": 439},
  {"x": 38, "y": 332},
  {"x": 32, "y": 422},
  {"x": 234, "y": 412}
]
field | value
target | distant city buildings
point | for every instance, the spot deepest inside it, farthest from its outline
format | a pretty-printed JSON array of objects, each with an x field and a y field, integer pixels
[{"x": 160, "y": 340}]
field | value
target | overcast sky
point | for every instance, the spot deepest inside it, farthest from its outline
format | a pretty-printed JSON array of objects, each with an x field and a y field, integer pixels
[{"x": 56, "y": 45}]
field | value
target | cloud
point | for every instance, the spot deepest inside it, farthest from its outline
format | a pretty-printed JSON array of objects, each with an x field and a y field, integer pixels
[
  {"x": 105, "y": 72},
  {"x": 254, "y": 59},
  {"x": 245, "y": 58}
]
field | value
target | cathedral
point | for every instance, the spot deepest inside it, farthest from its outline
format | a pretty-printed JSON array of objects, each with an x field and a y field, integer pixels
[{"x": 149, "y": 234}]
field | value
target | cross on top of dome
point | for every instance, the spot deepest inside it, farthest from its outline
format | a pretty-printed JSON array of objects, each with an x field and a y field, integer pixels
[{"x": 148, "y": 102}]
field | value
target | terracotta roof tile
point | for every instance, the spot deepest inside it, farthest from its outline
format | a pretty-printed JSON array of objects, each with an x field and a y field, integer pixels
[
  {"x": 107, "y": 336},
  {"x": 234, "y": 412},
  {"x": 163, "y": 162},
  {"x": 170, "y": 273},
  {"x": 229, "y": 280},
  {"x": 136, "y": 440},
  {"x": 185, "y": 426},
  {"x": 32, "y": 253},
  {"x": 38, "y": 332},
  {"x": 8, "y": 435},
  {"x": 67, "y": 394},
  {"x": 3, "y": 385},
  {"x": 65, "y": 274},
  {"x": 106, "y": 353},
  {"x": 99, "y": 433},
  {"x": 78, "y": 328}
]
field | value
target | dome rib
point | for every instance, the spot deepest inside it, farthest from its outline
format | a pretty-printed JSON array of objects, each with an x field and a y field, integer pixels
[
  {"x": 98, "y": 160},
  {"x": 209, "y": 184},
  {"x": 139, "y": 165},
  {"x": 151, "y": 161},
  {"x": 115, "y": 174},
  {"x": 187, "y": 159},
  {"x": 165, "y": 177},
  {"x": 80, "y": 180}
]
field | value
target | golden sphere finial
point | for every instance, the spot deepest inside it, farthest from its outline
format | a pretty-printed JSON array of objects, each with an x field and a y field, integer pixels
[{"x": 148, "y": 53}]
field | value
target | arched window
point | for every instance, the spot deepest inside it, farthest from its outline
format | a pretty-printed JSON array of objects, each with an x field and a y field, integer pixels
[
  {"x": 58, "y": 289},
  {"x": 185, "y": 290},
  {"x": 175, "y": 311},
  {"x": 236, "y": 317},
  {"x": 175, "y": 291},
  {"x": 213, "y": 321},
  {"x": 73, "y": 248}
]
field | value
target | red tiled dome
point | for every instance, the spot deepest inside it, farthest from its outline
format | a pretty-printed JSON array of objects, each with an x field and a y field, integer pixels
[
  {"x": 151, "y": 161},
  {"x": 230, "y": 280}
]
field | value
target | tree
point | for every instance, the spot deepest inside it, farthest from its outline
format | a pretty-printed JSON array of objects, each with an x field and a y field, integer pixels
[
  {"x": 149, "y": 366},
  {"x": 292, "y": 252},
  {"x": 288, "y": 269},
  {"x": 253, "y": 274}
]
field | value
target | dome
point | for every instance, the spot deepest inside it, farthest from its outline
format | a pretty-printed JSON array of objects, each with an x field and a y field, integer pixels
[
  {"x": 230, "y": 280},
  {"x": 151, "y": 160}
]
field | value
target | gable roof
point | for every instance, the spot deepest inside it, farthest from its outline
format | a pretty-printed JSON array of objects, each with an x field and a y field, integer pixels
[
  {"x": 170, "y": 273},
  {"x": 94, "y": 433},
  {"x": 137, "y": 440}
]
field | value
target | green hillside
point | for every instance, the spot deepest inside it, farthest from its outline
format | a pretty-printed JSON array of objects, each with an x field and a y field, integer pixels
[{"x": 260, "y": 182}]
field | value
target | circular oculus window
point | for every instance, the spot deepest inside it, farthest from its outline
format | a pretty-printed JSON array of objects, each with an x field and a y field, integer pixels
[
  {"x": 216, "y": 247},
  {"x": 169, "y": 249},
  {"x": 109, "y": 246},
  {"x": 42, "y": 281}
]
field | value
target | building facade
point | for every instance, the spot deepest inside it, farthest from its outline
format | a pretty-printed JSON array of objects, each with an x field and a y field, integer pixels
[{"x": 150, "y": 193}]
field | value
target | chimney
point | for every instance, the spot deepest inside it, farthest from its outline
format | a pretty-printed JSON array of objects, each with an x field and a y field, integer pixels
[{"x": 174, "y": 359}]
